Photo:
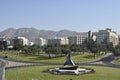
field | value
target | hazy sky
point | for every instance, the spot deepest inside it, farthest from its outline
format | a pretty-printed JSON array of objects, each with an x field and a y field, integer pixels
[{"x": 76, "y": 15}]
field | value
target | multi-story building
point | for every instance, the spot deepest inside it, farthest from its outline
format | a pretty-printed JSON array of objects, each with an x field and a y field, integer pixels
[
  {"x": 73, "y": 40},
  {"x": 40, "y": 41},
  {"x": 5, "y": 44},
  {"x": 80, "y": 38},
  {"x": 107, "y": 36},
  {"x": 21, "y": 41},
  {"x": 60, "y": 41}
]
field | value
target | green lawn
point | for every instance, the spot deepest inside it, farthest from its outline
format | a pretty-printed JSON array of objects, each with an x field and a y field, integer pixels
[
  {"x": 36, "y": 73},
  {"x": 118, "y": 60},
  {"x": 33, "y": 58}
]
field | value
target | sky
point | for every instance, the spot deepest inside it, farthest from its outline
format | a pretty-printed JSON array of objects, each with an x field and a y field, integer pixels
[{"x": 75, "y": 15}]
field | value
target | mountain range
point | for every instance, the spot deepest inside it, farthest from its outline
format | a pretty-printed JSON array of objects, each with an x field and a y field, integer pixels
[{"x": 32, "y": 33}]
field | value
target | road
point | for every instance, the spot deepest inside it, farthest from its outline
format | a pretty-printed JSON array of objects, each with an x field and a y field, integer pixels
[
  {"x": 106, "y": 60},
  {"x": 10, "y": 63}
]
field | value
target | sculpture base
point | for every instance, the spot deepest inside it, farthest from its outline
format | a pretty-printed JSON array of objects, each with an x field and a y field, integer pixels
[{"x": 70, "y": 70}]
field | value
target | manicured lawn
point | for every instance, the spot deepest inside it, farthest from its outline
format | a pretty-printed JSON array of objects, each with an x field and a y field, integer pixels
[
  {"x": 33, "y": 58},
  {"x": 36, "y": 73}
]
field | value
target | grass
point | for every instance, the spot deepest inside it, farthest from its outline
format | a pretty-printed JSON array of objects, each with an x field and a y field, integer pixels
[
  {"x": 118, "y": 60},
  {"x": 36, "y": 73},
  {"x": 78, "y": 57}
]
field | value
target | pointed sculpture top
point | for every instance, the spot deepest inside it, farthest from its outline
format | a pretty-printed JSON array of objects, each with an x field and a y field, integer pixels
[{"x": 69, "y": 60}]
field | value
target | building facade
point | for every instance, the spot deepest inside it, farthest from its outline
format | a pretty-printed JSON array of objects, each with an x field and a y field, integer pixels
[
  {"x": 80, "y": 38},
  {"x": 21, "y": 41},
  {"x": 107, "y": 36},
  {"x": 94, "y": 36},
  {"x": 60, "y": 41},
  {"x": 5, "y": 43},
  {"x": 40, "y": 41}
]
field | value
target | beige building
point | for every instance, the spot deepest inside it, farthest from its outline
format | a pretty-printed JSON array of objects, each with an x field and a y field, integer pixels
[
  {"x": 60, "y": 41},
  {"x": 107, "y": 36}
]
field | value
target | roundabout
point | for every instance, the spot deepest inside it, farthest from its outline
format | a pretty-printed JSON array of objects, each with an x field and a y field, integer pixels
[
  {"x": 69, "y": 67},
  {"x": 31, "y": 72}
]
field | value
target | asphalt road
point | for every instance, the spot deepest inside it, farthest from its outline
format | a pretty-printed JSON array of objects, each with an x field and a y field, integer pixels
[{"x": 106, "y": 60}]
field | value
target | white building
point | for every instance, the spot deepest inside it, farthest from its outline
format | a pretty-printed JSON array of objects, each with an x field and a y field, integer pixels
[
  {"x": 31, "y": 43},
  {"x": 60, "y": 41},
  {"x": 107, "y": 36},
  {"x": 40, "y": 41},
  {"x": 94, "y": 36},
  {"x": 22, "y": 40}
]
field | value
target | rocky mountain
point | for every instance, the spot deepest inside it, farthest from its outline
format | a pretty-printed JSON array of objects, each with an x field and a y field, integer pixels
[
  {"x": 8, "y": 33},
  {"x": 32, "y": 33}
]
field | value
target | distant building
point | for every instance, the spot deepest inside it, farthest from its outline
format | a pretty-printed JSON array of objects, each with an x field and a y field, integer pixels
[
  {"x": 73, "y": 40},
  {"x": 118, "y": 38},
  {"x": 40, "y": 41},
  {"x": 21, "y": 41},
  {"x": 80, "y": 38},
  {"x": 31, "y": 43},
  {"x": 94, "y": 36},
  {"x": 60, "y": 41},
  {"x": 5, "y": 43},
  {"x": 107, "y": 36}
]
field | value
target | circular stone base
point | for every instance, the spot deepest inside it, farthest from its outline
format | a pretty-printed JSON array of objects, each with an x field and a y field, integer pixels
[{"x": 75, "y": 71}]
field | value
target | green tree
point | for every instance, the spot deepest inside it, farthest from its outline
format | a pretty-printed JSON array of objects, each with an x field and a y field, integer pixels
[
  {"x": 65, "y": 49},
  {"x": 75, "y": 48},
  {"x": 95, "y": 49},
  {"x": 102, "y": 47},
  {"x": 116, "y": 50}
]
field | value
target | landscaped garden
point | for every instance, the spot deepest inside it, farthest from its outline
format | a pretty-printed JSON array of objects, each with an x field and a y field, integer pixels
[
  {"x": 36, "y": 73},
  {"x": 77, "y": 57}
]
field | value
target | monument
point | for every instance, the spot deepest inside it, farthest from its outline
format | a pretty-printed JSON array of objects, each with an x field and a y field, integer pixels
[{"x": 69, "y": 67}]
